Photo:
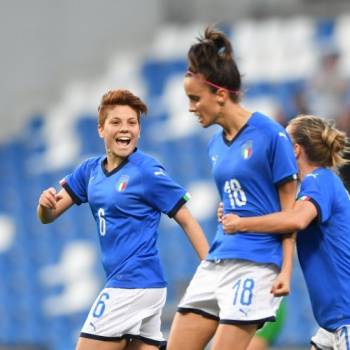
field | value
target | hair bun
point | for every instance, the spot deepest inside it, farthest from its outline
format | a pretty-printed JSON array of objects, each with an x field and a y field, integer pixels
[{"x": 221, "y": 44}]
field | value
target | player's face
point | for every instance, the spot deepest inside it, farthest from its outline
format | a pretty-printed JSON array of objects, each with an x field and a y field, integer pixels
[
  {"x": 120, "y": 131},
  {"x": 203, "y": 102}
]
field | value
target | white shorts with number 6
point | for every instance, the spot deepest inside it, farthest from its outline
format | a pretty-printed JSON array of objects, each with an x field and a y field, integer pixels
[
  {"x": 232, "y": 292},
  {"x": 126, "y": 313}
]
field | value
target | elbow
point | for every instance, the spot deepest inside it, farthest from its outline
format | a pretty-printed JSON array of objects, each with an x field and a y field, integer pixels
[{"x": 300, "y": 224}]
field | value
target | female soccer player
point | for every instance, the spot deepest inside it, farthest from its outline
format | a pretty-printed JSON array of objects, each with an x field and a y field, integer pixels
[
  {"x": 322, "y": 217},
  {"x": 255, "y": 170},
  {"x": 127, "y": 191}
]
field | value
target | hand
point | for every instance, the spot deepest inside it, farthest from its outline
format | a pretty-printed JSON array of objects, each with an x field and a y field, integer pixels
[
  {"x": 281, "y": 285},
  {"x": 220, "y": 212},
  {"x": 49, "y": 198},
  {"x": 230, "y": 223}
]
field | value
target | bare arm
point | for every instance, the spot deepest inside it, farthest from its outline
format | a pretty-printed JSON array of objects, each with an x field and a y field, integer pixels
[
  {"x": 193, "y": 231},
  {"x": 295, "y": 219},
  {"x": 281, "y": 286},
  {"x": 291, "y": 219},
  {"x": 52, "y": 204}
]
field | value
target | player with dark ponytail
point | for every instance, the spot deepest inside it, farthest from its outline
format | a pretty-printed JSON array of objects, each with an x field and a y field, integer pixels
[{"x": 238, "y": 286}]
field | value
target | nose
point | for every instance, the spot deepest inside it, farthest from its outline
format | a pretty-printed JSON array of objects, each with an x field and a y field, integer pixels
[
  {"x": 124, "y": 127},
  {"x": 191, "y": 108}
]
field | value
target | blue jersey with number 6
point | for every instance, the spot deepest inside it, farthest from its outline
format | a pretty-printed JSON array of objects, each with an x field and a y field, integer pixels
[
  {"x": 324, "y": 248},
  {"x": 248, "y": 171},
  {"x": 127, "y": 204}
]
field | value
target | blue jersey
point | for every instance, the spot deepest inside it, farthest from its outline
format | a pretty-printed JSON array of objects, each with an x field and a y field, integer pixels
[
  {"x": 324, "y": 248},
  {"x": 127, "y": 204},
  {"x": 248, "y": 171}
]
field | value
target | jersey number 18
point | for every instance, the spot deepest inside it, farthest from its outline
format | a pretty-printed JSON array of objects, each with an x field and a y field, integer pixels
[{"x": 235, "y": 193}]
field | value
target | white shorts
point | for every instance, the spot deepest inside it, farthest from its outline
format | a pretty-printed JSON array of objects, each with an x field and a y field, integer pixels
[
  {"x": 232, "y": 292},
  {"x": 126, "y": 313},
  {"x": 338, "y": 340}
]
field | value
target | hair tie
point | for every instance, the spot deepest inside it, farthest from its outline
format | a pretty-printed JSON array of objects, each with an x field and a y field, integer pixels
[{"x": 195, "y": 75}]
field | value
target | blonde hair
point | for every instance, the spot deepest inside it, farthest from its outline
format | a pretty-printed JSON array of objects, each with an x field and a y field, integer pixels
[
  {"x": 323, "y": 143},
  {"x": 120, "y": 97}
]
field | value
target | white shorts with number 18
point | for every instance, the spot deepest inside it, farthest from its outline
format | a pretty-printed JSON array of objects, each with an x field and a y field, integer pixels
[{"x": 232, "y": 292}]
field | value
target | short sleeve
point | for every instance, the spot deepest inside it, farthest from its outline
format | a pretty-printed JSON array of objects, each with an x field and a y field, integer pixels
[
  {"x": 76, "y": 183},
  {"x": 321, "y": 197},
  {"x": 283, "y": 162},
  {"x": 162, "y": 192}
]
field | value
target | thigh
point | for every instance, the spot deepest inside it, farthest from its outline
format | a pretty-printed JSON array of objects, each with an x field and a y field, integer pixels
[
  {"x": 228, "y": 337},
  {"x": 271, "y": 330},
  {"x": 118, "y": 313},
  {"x": 200, "y": 294},
  {"x": 94, "y": 344},
  {"x": 191, "y": 331},
  {"x": 140, "y": 345},
  {"x": 149, "y": 329},
  {"x": 258, "y": 343}
]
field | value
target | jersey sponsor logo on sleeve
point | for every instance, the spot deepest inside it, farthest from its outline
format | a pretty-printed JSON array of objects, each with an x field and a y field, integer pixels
[
  {"x": 247, "y": 149},
  {"x": 159, "y": 173},
  {"x": 122, "y": 183},
  {"x": 282, "y": 134},
  {"x": 312, "y": 175}
]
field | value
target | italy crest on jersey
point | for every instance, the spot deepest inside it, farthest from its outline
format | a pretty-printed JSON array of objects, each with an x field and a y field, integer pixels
[
  {"x": 122, "y": 183},
  {"x": 247, "y": 149}
]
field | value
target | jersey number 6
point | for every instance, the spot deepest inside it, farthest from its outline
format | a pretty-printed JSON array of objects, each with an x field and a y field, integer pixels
[{"x": 102, "y": 221}]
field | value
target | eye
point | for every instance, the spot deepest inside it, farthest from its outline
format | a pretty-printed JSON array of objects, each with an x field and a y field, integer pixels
[{"x": 193, "y": 98}]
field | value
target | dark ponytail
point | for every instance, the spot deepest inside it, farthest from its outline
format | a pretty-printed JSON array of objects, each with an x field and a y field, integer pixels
[{"x": 212, "y": 56}]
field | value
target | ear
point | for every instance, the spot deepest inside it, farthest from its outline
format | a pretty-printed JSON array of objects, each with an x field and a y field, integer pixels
[
  {"x": 221, "y": 96},
  {"x": 297, "y": 150},
  {"x": 100, "y": 130}
]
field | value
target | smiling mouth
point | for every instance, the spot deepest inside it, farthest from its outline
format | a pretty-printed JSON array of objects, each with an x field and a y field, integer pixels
[{"x": 125, "y": 141}]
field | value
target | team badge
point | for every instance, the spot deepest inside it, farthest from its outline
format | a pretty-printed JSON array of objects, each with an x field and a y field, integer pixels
[
  {"x": 247, "y": 149},
  {"x": 122, "y": 183}
]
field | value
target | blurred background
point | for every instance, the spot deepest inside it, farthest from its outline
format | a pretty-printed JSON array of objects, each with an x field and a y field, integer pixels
[{"x": 58, "y": 58}]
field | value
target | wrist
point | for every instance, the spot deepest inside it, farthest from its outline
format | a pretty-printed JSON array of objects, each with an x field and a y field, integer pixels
[{"x": 240, "y": 225}]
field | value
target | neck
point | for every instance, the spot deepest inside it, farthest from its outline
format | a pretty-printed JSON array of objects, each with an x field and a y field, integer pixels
[
  {"x": 305, "y": 168},
  {"x": 232, "y": 119},
  {"x": 113, "y": 161}
]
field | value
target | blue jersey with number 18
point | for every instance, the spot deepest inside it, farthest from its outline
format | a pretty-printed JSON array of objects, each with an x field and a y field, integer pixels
[
  {"x": 248, "y": 171},
  {"x": 127, "y": 204}
]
